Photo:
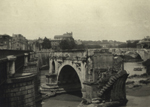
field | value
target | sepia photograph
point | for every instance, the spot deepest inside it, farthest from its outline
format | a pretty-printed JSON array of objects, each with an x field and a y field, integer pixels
[{"x": 74, "y": 53}]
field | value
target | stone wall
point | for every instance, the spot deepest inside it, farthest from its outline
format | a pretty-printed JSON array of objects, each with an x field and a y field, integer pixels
[
  {"x": 33, "y": 67},
  {"x": 19, "y": 84},
  {"x": 18, "y": 93}
]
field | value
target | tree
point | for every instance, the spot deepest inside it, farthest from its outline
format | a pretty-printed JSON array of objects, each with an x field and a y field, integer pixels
[
  {"x": 131, "y": 44},
  {"x": 46, "y": 43},
  {"x": 67, "y": 43}
]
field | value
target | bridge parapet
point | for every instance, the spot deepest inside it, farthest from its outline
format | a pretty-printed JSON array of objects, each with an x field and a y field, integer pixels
[
  {"x": 143, "y": 53},
  {"x": 70, "y": 55},
  {"x": 17, "y": 86}
]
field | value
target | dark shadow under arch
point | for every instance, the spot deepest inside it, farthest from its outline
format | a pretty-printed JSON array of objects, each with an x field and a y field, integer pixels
[
  {"x": 145, "y": 46},
  {"x": 69, "y": 80}
]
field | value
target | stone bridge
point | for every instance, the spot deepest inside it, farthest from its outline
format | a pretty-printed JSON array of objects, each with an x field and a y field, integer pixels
[
  {"x": 97, "y": 74},
  {"x": 143, "y": 53}
]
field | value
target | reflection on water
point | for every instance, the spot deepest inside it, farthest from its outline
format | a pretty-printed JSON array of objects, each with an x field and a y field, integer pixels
[
  {"x": 129, "y": 67},
  {"x": 64, "y": 100}
]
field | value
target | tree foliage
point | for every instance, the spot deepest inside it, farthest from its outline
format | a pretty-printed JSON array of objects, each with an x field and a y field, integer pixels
[
  {"x": 67, "y": 43},
  {"x": 132, "y": 44},
  {"x": 46, "y": 43},
  {"x": 81, "y": 46}
]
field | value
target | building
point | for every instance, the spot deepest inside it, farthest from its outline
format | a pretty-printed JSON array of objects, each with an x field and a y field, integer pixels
[
  {"x": 64, "y": 36},
  {"x": 58, "y": 38},
  {"x": 39, "y": 42},
  {"x": 36, "y": 44},
  {"x": 31, "y": 45},
  {"x": 109, "y": 44},
  {"x": 5, "y": 41},
  {"x": 104, "y": 43},
  {"x": 144, "y": 43},
  {"x": 78, "y": 42},
  {"x": 19, "y": 42}
]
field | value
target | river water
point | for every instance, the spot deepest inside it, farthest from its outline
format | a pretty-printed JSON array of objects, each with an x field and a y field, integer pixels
[
  {"x": 63, "y": 100},
  {"x": 130, "y": 66},
  {"x": 68, "y": 100}
]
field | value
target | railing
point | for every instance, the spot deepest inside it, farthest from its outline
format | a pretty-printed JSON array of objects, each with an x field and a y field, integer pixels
[
  {"x": 5, "y": 66},
  {"x": 13, "y": 79},
  {"x": 4, "y": 53}
]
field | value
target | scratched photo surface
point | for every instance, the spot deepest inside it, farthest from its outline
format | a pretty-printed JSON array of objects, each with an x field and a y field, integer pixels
[{"x": 74, "y": 53}]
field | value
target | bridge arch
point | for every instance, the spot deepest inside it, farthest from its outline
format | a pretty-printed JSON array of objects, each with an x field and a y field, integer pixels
[
  {"x": 71, "y": 70},
  {"x": 144, "y": 54}
]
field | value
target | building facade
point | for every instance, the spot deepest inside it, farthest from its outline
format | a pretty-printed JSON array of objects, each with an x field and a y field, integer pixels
[
  {"x": 64, "y": 36},
  {"x": 58, "y": 38},
  {"x": 5, "y": 41},
  {"x": 19, "y": 42},
  {"x": 36, "y": 44}
]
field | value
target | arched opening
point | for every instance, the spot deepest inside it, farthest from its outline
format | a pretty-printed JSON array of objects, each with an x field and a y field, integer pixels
[
  {"x": 68, "y": 79},
  {"x": 53, "y": 67},
  {"x": 139, "y": 57}
]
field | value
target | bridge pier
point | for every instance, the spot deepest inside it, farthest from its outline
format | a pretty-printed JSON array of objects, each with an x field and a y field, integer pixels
[
  {"x": 53, "y": 66},
  {"x": 25, "y": 59},
  {"x": 11, "y": 66}
]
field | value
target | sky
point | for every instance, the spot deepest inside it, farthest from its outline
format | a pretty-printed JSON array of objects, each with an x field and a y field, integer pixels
[{"x": 119, "y": 20}]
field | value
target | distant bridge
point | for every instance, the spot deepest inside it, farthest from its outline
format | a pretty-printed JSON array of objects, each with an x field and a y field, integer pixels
[{"x": 144, "y": 53}]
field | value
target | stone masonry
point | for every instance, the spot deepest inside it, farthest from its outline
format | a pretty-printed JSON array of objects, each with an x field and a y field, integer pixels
[
  {"x": 99, "y": 75},
  {"x": 20, "y": 87}
]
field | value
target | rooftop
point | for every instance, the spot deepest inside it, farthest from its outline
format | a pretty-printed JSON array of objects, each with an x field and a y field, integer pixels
[{"x": 65, "y": 35}]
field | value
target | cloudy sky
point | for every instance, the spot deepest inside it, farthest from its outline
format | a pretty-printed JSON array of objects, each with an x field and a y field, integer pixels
[{"x": 88, "y": 19}]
